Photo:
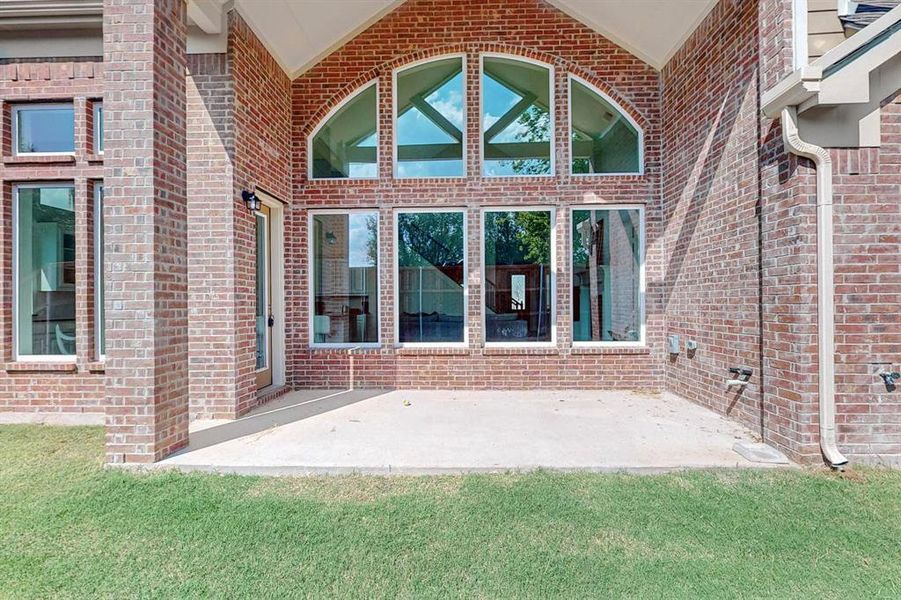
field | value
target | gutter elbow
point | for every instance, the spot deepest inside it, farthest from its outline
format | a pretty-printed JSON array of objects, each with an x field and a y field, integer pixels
[{"x": 792, "y": 140}]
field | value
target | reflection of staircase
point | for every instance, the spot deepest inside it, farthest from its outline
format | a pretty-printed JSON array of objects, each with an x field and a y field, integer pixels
[
  {"x": 491, "y": 297},
  {"x": 867, "y": 11}
]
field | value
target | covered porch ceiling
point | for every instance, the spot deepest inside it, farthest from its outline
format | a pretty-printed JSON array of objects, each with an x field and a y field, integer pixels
[{"x": 299, "y": 33}]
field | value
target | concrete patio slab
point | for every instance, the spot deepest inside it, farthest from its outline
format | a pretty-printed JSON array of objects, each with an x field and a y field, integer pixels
[{"x": 316, "y": 432}]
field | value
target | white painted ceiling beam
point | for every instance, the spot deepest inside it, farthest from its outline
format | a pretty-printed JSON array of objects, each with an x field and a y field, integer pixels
[{"x": 206, "y": 14}]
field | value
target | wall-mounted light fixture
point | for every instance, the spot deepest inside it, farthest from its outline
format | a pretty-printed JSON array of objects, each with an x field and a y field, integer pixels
[
  {"x": 251, "y": 200},
  {"x": 330, "y": 238}
]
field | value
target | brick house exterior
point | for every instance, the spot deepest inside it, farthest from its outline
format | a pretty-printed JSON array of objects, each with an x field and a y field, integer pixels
[{"x": 729, "y": 224}]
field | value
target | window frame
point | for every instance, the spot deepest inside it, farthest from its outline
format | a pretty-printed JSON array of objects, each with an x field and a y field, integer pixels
[
  {"x": 16, "y": 108},
  {"x": 99, "y": 129},
  {"x": 16, "y": 355},
  {"x": 642, "y": 341},
  {"x": 552, "y": 110},
  {"x": 267, "y": 301},
  {"x": 99, "y": 324},
  {"x": 622, "y": 112},
  {"x": 394, "y": 73},
  {"x": 552, "y": 343},
  {"x": 331, "y": 113},
  {"x": 311, "y": 292},
  {"x": 396, "y": 266}
]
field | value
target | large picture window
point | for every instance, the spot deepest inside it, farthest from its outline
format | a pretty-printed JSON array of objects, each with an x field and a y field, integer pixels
[
  {"x": 430, "y": 119},
  {"x": 431, "y": 277},
  {"x": 345, "y": 277},
  {"x": 44, "y": 129},
  {"x": 604, "y": 140},
  {"x": 517, "y": 117},
  {"x": 518, "y": 277},
  {"x": 45, "y": 271},
  {"x": 346, "y": 144},
  {"x": 607, "y": 275}
]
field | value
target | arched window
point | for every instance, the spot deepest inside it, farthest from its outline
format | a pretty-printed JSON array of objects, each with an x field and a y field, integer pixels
[
  {"x": 345, "y": 144},
  {"x": 517, "y": 117},
  {"x": 430, "y": 119},
  {"x": 604, "y": 139}
]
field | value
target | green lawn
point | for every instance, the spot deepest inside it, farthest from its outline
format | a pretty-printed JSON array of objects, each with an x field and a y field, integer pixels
[{"x": 69, "y": 528}]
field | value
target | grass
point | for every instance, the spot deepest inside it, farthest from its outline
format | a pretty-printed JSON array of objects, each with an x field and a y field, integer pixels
[{"x": 69, "y": 528}]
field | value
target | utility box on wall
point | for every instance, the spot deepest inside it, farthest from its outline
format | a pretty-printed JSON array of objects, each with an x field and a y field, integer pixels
[{"x": 672, "y": 344}]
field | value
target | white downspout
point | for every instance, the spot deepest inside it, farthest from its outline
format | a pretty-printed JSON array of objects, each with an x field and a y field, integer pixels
[{"x": 825, "y": 283}]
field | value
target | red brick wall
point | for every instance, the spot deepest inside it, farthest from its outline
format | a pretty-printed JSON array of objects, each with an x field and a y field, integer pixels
[
  {"x": 145, "y": 226},
  {"x": 753, "y": 44},
  {"x": 30, "y": 387},
  {"x": 424, "y": 28},
  {"x": 262, "y": 117},
  {"x": 867, "y": 200},
  {"x": 238, "y": 137},
  {"x": 211, "y": 287},
  {"x": 712, "y": 281}
]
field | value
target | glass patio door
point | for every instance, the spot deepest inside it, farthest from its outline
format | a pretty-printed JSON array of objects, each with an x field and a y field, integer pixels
[{"x": 264, "y": 319}]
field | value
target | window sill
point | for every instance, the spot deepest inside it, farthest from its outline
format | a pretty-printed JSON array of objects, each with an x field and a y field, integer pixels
[
  {"x": 94, "y": 158},
  {"x": 612, "y": 349},
  {"x": 349, "y": 181},
  {"x": 40, "y": 367},
  {"x": 43, "y": 160},
  {"x": 426, "y": 351},
  {"x": 344, "y": 350},
  {"x": 517, "y": 351}
]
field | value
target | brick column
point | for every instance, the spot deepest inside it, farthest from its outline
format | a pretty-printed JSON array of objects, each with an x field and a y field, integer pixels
[{"x": 145, "y": 227}]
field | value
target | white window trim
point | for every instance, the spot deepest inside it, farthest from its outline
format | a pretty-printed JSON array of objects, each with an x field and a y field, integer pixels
[
  {"x": 311, "y": 296},
  {"x": 266, "y": 299},
  {"x": 329, "y": 115},
  {"x": 396, "y": 261},
  {"x": 98, "y": 123},
  {"x": 622, "y": 113},
  {"x": 99, "y": 327},
  {"x": 642, "y": 339},
  {"x": 45, "y": 358},
  {"x": 395, "y": 164},
  {"x": 16, "y": 108},
  {"x": 553, "y": 266},
  {"x": 846, "y": 7},
  {"x": 277, "y": 282},
  {"x": 552, "y": 111}
]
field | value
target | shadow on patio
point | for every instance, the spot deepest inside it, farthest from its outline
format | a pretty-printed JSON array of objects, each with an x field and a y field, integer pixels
[{"x": 290, "y": 408}]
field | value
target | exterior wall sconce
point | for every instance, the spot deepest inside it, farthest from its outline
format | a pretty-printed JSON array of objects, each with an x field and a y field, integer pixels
[
  {"x": 251, "y": 200},
  {"x": 330, "y": 238}
]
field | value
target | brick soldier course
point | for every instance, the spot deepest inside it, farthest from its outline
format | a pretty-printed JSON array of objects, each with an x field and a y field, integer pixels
[{"x": 730, "y": 232}]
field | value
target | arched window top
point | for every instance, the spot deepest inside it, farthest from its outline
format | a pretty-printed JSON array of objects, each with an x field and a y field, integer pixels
[
  {"x": 605, "y": 139},
  {"x": 345, "y": 143},
  {"x": 430, "y": 118},
  {"x": 517, "y": 116}
]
